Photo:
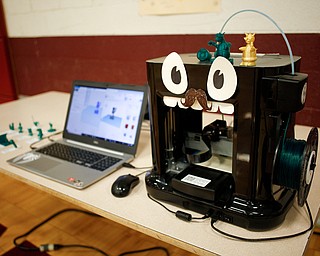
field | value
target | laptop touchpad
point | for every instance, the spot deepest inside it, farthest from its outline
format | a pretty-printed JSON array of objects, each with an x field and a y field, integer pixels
[{"x": 42, "y": 164}]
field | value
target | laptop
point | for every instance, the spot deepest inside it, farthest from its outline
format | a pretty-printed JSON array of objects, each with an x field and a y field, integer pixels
[{"x": 101, "y": 133}]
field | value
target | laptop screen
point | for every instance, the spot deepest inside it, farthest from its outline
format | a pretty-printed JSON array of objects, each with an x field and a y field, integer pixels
[{"x": 107, "y": 113}]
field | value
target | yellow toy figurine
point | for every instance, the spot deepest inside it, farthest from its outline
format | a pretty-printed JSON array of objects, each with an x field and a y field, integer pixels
[{"x": 249, "y": 52}]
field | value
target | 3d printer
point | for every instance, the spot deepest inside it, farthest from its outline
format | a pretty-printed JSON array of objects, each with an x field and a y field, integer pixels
[{"x": 223, "y": 137}]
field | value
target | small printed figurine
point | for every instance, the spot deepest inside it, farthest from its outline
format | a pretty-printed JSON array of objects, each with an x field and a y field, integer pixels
[
  {"x": 20, "y": 128},
  {"x": 222, "y": 47},
  {"x": 249, "y": 52},
  {"x": 11, "y": 126},
  {"x": 5, "y": 142},
  {"x": 51, "y": 129},
  {"x": 40, "y": 134},
  {"x": 30, "y": 133},
  {"x": 204, "y": 55}
]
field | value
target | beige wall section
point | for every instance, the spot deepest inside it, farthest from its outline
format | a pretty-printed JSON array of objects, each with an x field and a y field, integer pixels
[{"x": 38, "y": 18}]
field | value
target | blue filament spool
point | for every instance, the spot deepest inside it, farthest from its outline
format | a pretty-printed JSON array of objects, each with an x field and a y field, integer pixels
[
  {"x": 290, "y": 163},
  {"x": 295, "y": 164}
]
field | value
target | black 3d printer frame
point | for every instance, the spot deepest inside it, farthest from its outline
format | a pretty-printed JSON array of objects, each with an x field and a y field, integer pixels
[{"x": 245, "y": 198}]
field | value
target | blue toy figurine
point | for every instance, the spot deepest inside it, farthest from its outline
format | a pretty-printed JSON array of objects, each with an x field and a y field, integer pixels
[
  {"x": 204, "y": 55},
  {"x": 222, "y": 49}
]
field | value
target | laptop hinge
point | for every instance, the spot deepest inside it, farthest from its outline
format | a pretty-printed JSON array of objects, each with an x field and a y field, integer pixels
[{"x": 94, "y": 147}]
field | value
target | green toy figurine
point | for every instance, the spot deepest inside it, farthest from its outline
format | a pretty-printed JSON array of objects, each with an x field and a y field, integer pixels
[
  {"x": 51, "y": 129},
  {"x": 40, "y": 134},
  {"x": 5, "y": 142},
  {"x": 20, "y": 128},
  {"x": 222, "y": 49}
]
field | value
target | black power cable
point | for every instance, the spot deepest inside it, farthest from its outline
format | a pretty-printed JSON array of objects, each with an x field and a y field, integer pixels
[
  {"x": 180, "y": 214},
  {"x": 15, "y": 241},
  {"x": 53, "y": 247},
  {"x": 145, "y": 250},
  {"x": 188, "y": 217},
  {"x": 266, "y": 238}
]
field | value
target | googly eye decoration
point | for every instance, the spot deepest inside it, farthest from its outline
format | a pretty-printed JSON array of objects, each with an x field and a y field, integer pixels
[
  {"x": 222, "y": 79},
  {"x": 174, "y": 74}
]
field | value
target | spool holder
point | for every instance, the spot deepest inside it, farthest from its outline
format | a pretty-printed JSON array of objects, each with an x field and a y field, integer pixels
[
  {"x": 305, "y": 172},
  {"x": 309, "y": 164}
]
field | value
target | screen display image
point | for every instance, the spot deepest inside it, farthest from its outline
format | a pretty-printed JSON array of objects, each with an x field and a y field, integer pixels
[{"x": 105, "y": 113}]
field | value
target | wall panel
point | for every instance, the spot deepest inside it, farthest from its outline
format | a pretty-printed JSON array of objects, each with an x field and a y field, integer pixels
[{"x": 52, "y": 63}]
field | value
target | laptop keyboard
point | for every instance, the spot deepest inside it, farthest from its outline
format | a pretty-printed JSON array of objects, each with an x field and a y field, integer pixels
[{"x": 79, "y": 156}]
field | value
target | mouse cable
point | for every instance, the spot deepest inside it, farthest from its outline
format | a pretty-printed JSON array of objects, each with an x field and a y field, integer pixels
[
  {"x": 265, "y": 238},
  {"x": 180, "y": 214},
  {"x": 128, "y": 165},
  {"x": 43, "y": 138},
  {"x": 54, "y": 247}
]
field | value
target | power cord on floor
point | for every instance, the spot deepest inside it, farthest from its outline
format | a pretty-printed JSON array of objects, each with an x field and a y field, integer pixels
[
  {"x": 158, "y": 248},
  {"x": 54, "y": 247}
]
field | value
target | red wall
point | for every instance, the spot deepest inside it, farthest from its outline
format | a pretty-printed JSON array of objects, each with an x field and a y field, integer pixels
[
  {"x": 44, "y": 64},
  {"x": 7, "y": 88}
]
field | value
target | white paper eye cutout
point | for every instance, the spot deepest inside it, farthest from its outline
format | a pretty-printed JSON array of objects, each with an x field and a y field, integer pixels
[
  {"x": 222, "y": 79},
  {"x": 174, "y": 74}
]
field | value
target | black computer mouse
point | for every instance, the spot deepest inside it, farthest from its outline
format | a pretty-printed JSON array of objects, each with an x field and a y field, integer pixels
[{"x": 123, "y": 185}]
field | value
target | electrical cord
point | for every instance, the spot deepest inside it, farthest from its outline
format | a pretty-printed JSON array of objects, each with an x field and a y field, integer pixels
[
  {"x": 266, "y": 238},
  {"x": 54, "y": 247},
  {"x": 188, "y": 217},
  {"x": 145, "y": 250},
  {"x": 15, "y": 241},
  {"x": 128, "y": 165},
  {"x": 180, "y": 214},
  {"x": 46, "y": 137}
]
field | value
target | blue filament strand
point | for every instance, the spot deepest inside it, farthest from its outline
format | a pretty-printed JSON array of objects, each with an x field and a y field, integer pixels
[{"x": 268, "y": 17}]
